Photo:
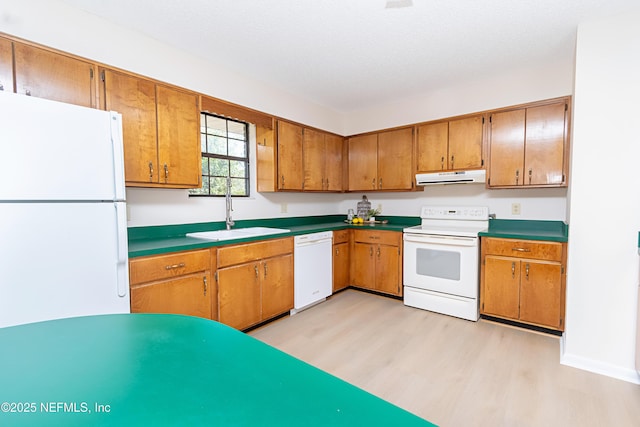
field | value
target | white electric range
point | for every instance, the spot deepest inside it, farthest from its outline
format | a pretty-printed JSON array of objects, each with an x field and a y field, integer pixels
[{"x": 441, "y": 259}]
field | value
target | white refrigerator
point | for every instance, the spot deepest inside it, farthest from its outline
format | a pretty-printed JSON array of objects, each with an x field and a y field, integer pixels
[{"x": 63, "y": 234}]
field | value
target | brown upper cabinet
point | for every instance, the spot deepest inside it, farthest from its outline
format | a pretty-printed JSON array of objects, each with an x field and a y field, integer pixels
[
  {"x": 6, "y": 65},
  {"x": 46, "y": 74},
  {"x": 160, "y": 130},
  {"x": 450, "y": 145},
  {"x": 381, "y": 161},
  {"x": 322, "y": 161},
  {"x": 528, "y": 147},
  {"x": 290, "y": 172}
]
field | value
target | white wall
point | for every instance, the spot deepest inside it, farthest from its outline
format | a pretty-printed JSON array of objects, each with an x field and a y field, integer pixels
[{"x": 604, "y": 200}]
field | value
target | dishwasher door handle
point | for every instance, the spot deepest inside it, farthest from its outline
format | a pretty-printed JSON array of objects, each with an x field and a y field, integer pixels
[{"x": 311, "y": 242}]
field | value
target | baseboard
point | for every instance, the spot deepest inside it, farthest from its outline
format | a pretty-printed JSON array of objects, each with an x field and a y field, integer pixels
[{"x": 597, "y": 367}]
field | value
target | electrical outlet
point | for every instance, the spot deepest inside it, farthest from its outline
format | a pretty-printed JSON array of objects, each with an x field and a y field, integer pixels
[
  {"x": 515, "y": 208},
  {"x": 283, "y": 208}
]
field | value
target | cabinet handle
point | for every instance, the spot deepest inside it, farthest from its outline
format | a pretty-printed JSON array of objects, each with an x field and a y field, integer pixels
[
  {"x": 27, "y": 92},
  {"x": 373, "y": 183},
  {"x": 265, "y": 270},
  {"x": 166, "y": 172},
  {"x": 370, "y": 250},
  {"x": 521, "y": 249},
  {"x": 526, "y": 270},
  {"x": 327, "y": 184},
  {"x": 513, "y": 270},
  {"x": 517, "y": 176},
  {"x": 380, "y": 183},
  {"x": 150, "y": 171},
  {"x": 337, "y": 251},
  {"x": 282, "y": 181},
  {"x": 204, "y": 280},
  {"x": 255, "y": 268},
  {"x": 530, "y": 174},
  {"x": 374, "y": 237},
  {"x": 442, "y": 162},
  {"x": 452, "y": 161},
  {"x": 174, "y": 266},
  {"x": 378, "y": 252}
]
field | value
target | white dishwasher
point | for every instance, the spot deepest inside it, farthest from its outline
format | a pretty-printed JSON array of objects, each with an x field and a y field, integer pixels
[{"x": 312, "y": 269}]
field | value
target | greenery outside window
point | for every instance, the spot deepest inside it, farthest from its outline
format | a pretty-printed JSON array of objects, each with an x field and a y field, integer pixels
[{"x": 225, "y": 153}]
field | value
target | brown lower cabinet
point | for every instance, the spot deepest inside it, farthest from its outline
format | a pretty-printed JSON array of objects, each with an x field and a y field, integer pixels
[
  {"x": 524, "y": 281},
  {"x": 177, "y": 283},
  {"x": 377, "y": 261},
  {"x": 255, "y": 281},
  {"x": 341, "y": 259}
]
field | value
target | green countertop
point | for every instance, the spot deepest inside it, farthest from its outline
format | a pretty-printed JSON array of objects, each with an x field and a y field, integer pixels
[
  {"x": 554, "y": 231},
  {"x": 170, "y": 370},
  {"x": 171, "y": 238}
]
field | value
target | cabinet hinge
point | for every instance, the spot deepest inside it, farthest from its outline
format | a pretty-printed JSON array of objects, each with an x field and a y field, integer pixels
[
  {"x": 483, "y": 120},
  {"x": 561, "y": 321},
  {"x": 215, "y": 275},
  {"x": 566, "y": 107},
  {"x": 490, "y": 119},
  {"x": 483, "y": 306},
  {"x": 562, "y": 269},
  {"x": 482, "y": 162},
  {"x": 102, "y": 77},
  {"x": 563, "y": 178},
  {"x": 91, "y": 73}
]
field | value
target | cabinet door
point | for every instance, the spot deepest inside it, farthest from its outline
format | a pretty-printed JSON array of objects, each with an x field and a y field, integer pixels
[
  {"x": 179, "y": 155},
  {"x": 388, "y": 269},
  {"x": 135, "y": 99},
  {"x": 465, "y": 143},
  {"x": 239, "y": 295},
  {"x": 6, "y": 65},
  {"x": 49, "y": 75},
  {"x": 266, "y": 168},
  {"x": 313, "y": 149},
  {"x": 333, "y": 162},
  {"x": 501, "y": 293},
  {"x": 277, "y": 286},
  {"x": 540, "y": 293},
  {"x": 340, "y": 266},
  {"x": 290, "y": 173},
  {"x": 363, "y": 162},
  {"x": 189, "y": 295},
  {"x": 432, "y": 147},
  {"x": 507, "y": 148},
  {"x": 545, "y": 143},
  {"x": 395, "y": 160},
  {"x": 364, "y": 266}
]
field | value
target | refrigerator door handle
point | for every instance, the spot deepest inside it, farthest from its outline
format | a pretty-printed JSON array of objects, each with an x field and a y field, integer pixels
[
  {"x": 118, "y": 153},
  {"x": 123, "y": 254}
]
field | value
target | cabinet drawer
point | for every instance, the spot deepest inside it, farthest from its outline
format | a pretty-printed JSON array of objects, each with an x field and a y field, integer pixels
[
  {"x": 340, "y": 236},
  {"x": 157, "y": 267},
  {"x": 383, "y": 237},
  {"x": 551, "y": 251},
  {"x": 239, "y": 254}
]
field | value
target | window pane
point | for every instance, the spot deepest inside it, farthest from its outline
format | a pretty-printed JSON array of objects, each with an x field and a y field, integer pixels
[
  {"x": 218, "y": 167},
  {"x": 205, "y": 187},
  {"x": 216, "y": 126},
  {"x": 238, "y": 169},
  {"x": 237, "y": 130},
  {"x": 216, "y": 145},
  {"x": 237, "y": 187},
  {"x": 218, "y": 185},
  {"x": 237, "y": 148},
  {"x": 203, "y": 143},
  {"x": 205, "y": 166},
  {"x": 203, "y": 123}
]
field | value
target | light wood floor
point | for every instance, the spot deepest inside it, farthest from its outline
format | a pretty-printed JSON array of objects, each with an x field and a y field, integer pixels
[{"x": 449, "y": 371}]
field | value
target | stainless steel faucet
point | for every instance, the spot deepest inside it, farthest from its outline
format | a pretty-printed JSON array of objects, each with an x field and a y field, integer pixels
[{"x": 229, "y": 207}]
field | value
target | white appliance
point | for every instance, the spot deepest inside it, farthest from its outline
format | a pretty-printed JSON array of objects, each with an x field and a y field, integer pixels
[
  {"x": 441, "y": 258},
  {"x": 62, "y": 211},
  {"x": 312, "y": 269},
  {"x": 457, "y": 177}
]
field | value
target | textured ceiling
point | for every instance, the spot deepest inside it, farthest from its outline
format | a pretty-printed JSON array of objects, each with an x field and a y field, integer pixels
[{"x": 353, "y": 54}]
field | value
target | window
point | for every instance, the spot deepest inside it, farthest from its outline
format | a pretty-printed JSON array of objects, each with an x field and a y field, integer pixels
[{"x": 225, "y": 153}]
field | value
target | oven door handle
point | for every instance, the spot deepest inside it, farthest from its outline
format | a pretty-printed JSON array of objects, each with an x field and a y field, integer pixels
[{"x": 442, "y": 240}]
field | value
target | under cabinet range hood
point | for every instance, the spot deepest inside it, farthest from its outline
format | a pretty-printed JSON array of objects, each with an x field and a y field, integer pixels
[{"x": 454, "y": 177}]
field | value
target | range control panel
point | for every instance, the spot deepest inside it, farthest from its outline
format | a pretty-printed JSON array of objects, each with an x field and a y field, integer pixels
[{"x": 462, "y": 213}]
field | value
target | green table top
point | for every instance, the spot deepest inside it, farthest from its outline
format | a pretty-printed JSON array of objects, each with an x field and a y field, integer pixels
[
  {"x": 554, "y": 231},
  {"x": 166, "y": 370}
]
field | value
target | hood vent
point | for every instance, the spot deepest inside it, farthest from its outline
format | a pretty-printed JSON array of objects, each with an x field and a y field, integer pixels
[{"x": 456, "y": 177}]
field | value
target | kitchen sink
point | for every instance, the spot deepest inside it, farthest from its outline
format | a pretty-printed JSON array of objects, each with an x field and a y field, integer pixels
[{"x": 238, "y": 233}]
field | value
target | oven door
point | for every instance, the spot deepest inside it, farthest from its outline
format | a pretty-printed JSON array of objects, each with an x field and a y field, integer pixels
[{"x": 447, "y": 264}]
